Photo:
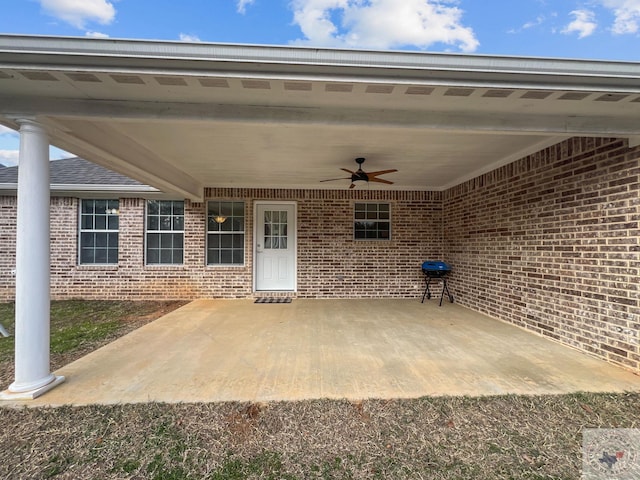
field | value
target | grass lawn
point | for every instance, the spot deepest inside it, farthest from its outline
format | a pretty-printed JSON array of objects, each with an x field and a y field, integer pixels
[{"x": 503, "y": 437}]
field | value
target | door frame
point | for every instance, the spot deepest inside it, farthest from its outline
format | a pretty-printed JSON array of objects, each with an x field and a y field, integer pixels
[{"x": 256, "y": 203}]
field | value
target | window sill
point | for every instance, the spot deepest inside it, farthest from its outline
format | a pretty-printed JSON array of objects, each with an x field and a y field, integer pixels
[
  {"x": 372, "y": 239},
  {"x": 98, "y": 267},
  {"x": 165, "y": 267},
  {"x": 225, "y": 265}
]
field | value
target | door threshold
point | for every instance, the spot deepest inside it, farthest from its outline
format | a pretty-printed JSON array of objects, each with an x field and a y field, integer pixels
[{"x": 275, "y": 293}]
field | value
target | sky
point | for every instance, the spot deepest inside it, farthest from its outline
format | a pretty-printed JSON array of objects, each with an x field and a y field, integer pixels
[{"x": 583, "y": 29}]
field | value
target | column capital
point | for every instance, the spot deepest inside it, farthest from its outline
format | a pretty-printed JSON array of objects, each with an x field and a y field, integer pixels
[{"x": 30, "y": 125}]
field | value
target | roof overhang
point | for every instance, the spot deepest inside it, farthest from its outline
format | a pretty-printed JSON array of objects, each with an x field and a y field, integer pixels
[
  {"x": 93, "y": 191},
  {"x": 181, "y": 117}
]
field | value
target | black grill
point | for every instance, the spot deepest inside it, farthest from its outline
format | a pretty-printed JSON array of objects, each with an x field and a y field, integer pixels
[{"x": 436, "y": 270}]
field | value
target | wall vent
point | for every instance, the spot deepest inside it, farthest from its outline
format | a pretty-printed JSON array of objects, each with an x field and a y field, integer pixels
[
  {"x": 574, "y": 96},
  {"x": 256, "y": 84},
  {"x": 338, "y": 87},
  {"x": 214, "y": 82},
  {"x": 458, "y": 92},
  {"x": 39, "y": 76},
  {"x": 386, "y": 89},
  {"x": 497, "y": 93},
  {"x": 298, "y": 86},
  {"x": 128, "y": 79},
  {"x": 611, "y": 97},
  {"x": 536, "y": 95},
  {"x": 419, "y": 90},
  {"x": 172, "y": 81},
  {"x": 83, "y": 77}
]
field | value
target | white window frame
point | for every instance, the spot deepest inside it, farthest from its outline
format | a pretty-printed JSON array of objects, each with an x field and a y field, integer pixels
[
  {"x": 375, "y": 220},
  {"x": 172, "y": 231},
  {"x": 111, "y": 210},
  {"x": 209, "y": 233}
]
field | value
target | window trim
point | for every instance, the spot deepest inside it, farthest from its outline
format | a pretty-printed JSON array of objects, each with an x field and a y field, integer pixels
[
  {"x": 389, "y": 221},
  {"x": 147, "y": 231},
  {"x": 207, "y": 233},
  {"x": 81, "y": 230}
]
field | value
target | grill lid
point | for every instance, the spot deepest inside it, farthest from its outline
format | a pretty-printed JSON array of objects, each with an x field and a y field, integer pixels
[{"x": 435, "y": 266}]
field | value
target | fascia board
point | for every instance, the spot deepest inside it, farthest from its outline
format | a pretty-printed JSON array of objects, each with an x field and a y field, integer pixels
[
  {"x": 142, "y": 56},
  {"x": 78, "y": 190}
]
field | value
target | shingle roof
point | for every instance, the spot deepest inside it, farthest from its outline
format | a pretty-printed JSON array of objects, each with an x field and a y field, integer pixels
[{"x": 74, "y": 171}]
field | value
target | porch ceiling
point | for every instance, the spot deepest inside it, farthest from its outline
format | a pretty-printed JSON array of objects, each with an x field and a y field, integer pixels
[{"x": 184, "y": 116}]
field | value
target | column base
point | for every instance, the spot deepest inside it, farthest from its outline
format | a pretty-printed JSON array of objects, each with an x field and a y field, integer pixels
[{"x": 31, "y": 394}]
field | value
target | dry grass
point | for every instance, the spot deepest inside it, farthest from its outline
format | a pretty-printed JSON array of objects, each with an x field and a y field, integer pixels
[
  {"x": 506, "y": 437},
  {"x": 510, "y": 437}
]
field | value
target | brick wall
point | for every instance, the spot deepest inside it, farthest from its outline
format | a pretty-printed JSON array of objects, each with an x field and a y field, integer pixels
[
  {"x": 330, "y": 262},
  {"x": 333, "y": 264},
  {"x": 8, "y": 211},
  {"x": 551, "y": 243}
]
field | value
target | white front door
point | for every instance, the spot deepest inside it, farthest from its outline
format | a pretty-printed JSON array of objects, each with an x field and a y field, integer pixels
[{"x": 275, "y": 246}]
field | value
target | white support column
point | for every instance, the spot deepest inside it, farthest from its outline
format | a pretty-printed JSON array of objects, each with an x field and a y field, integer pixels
[{"x": 32, "y": 369}]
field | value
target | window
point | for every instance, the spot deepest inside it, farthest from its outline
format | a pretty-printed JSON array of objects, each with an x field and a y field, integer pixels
[
  {"x": 372, "y": 221},
  {"x": 99, "y": 232},
  {"x": 165, "y": 232},
  {"x": 275, "y": 229},
  {"x": 225, "y": 233}
]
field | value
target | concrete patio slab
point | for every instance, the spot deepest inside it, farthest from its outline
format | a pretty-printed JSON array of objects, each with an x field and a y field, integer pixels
[{"x": 224, "y": 350}]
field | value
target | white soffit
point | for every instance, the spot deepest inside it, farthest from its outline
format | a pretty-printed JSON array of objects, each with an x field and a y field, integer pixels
[{"x": 181, "y": 117}]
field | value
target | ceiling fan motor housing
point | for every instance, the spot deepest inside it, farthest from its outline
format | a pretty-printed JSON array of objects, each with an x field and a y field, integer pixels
[{"x": 359, "y": 175}]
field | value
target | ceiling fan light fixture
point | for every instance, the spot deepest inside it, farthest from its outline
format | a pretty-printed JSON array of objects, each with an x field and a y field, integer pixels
[{"x": 362, "y": 176}]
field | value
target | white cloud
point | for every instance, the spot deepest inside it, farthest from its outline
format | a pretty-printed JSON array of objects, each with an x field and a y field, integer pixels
[
  {"x": 96, "y": 35},
  {"x": 78, "y": 12},
  {"x": 535, "y": 23},
  {"x": 627, "y": 15},
  {"x": 9, "y": 158},
  {"x": 540, "y": 19},
  {"x": 242, "y": 5},
  {"x": 382, "y": 24},
  {"x": 583, "y": 24},
  {"x": 9, "y": 153},
  {"x": 185, "y": 37}
]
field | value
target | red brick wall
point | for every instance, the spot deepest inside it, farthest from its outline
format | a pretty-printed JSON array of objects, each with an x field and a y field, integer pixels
[
  {"x": 131, "y": 278},
  {"x": 8, "y": 211},
  {"x": 330, "y": 262},
  {"x": 551, "y": 243},
  {"x": 333, "y": 264}
]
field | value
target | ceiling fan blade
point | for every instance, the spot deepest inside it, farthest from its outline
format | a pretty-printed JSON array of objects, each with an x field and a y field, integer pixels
[
  {"x": 348, "y": 171},
  {"x": 380, "y": 180},
  {"x": 334, "y": 179},
  {"x": 381, "y": 172}
]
